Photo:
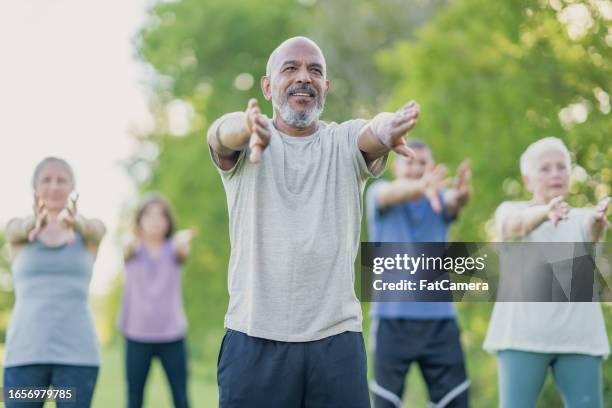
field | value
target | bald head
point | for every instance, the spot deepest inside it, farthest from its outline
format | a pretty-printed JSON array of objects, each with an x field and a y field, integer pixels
[
  {"x": 296, "y": 83},
  {"x": 288, "y": 47}
]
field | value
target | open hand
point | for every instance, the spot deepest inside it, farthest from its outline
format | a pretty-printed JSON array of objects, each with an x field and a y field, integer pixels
[
  {"x": 435, "y": 181},
  {"x": 41, "y": 216},
  {"x": 599, "y": 212},
  {"x": 558, "y": 210},
  {"x": 392, "y": 134},
  {"x": 184, "y": 237},
  {"x": 259, "y": 129},
  {"x": 463, "y": 181}
]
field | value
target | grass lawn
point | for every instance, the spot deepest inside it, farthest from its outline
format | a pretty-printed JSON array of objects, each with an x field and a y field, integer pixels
[{"x": 111, "y": 388}]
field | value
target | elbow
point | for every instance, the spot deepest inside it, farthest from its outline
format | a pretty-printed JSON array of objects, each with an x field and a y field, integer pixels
[
  {"x": 14, "y": 231},
  {"x": 514, "y": 230}
]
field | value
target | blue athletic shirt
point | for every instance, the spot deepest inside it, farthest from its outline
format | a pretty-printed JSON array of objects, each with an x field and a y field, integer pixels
[{"x": 409, "y": 221}]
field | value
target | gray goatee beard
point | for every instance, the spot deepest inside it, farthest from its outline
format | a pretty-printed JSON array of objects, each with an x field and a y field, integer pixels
[{"x": 296, "y": 119}]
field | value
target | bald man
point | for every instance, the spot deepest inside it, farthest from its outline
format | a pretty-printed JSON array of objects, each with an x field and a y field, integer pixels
[{"x": 294, "y": 187}]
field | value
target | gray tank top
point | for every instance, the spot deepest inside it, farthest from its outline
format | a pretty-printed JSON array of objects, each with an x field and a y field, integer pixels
[{"x": 51, "y": 321}]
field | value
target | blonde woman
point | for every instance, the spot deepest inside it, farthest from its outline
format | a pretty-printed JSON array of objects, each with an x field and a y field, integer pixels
[{"x": 51, "y": 338}]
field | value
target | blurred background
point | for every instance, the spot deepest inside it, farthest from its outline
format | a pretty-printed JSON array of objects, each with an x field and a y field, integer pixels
[{"x": 124, "y": 90}]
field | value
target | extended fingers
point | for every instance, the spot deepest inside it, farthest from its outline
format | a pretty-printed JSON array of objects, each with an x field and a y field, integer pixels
[
  {"x": 399, "y": 130},
  {"x": 261, "y": 128},
  {"x": 74, "y": 201},
  {"x": 434, "y": 200},
  {"x": 406, "y": 115},
  {"x": 40, "y": 206},
  {"x": 555, "y": 202},
  {"x": 404, "y": 150},
  {"x": 603, "y": 204},
  {"x": 256, "y": 144},
  {"x": 252, "y": 104}
]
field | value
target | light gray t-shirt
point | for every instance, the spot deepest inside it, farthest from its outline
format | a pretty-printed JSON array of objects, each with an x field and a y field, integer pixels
[
  {"x": 548, "y": 327},
  {"x": 295, "y": 221}
]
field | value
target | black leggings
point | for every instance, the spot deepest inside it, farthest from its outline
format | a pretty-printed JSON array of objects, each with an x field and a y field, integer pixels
[{"x": 138, "y": 359}]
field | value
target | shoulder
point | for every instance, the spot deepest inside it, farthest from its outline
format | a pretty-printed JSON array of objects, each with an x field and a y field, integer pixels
[
  {"x": 508, "y": 206},
  {"x": 346, "y": 128}
]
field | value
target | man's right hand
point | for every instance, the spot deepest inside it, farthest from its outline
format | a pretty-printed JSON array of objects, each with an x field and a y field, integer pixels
[{"x": 259, "y": 129}]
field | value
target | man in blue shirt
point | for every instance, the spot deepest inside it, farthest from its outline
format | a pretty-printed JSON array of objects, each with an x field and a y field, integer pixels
[{"x": 417, "y": 206}]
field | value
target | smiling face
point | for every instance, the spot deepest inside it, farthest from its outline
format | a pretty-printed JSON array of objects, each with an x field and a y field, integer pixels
[
  {"x": 296, "y": 82},
  {"x": 549, "y": 178},
  {"x": 53, "y": 183}
]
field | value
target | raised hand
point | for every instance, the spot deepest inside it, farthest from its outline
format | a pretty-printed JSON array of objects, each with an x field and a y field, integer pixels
[
  {"x": 181, "y": 242},
  {"x": 558, "y": 210},
  {"x": 259, "y": 130},
  {"x": 463, "y": 181},
  {"x": 67, "y": 217},
  {"x": 599, "y": 212},
  {"x": 41, "y": 216},
  {"x": 392, "y": 134},
  {"x": 184, "y": 237},
  {"x": 435, "y": 181}
]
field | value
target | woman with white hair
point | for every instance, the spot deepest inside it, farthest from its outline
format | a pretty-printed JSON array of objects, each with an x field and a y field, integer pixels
[
  {"x": 528, "y": 337},
  {"x": 51, "y": 339}
]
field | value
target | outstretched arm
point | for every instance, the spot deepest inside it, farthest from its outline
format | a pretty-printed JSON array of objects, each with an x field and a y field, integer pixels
[
  {"x": 18, "y": 230},
  {"x": 232, "y": 132},
  {"x": 597, "y": 223},
  {"x": 519, "y": 223},
  {"x": 385, "y": 132},
  {"x": 402, "y": 189},
  {"x": 22, "y": 230}
]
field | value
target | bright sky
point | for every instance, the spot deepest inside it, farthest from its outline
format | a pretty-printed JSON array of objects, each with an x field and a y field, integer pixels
[{"x": 71, "y": 87}]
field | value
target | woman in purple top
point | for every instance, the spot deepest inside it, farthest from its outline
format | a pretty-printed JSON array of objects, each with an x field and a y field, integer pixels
[{"x": 152, "y": 316}]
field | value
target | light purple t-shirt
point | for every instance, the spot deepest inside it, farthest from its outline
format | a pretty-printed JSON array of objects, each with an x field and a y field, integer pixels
[{"x": 152, "y": 307}]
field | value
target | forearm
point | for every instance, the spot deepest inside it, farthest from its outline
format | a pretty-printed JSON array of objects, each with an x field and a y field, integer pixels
[
  {"x": 371, "y": 141},
  {"x": 520, "y": 223},
  {"x": 228, "y": 134},
  {"x": 400, "y": 190},
  {"x": 18, "y": 229},
  {"x": 596, "y": 230},
  {"x": 454, "y": 201}
]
